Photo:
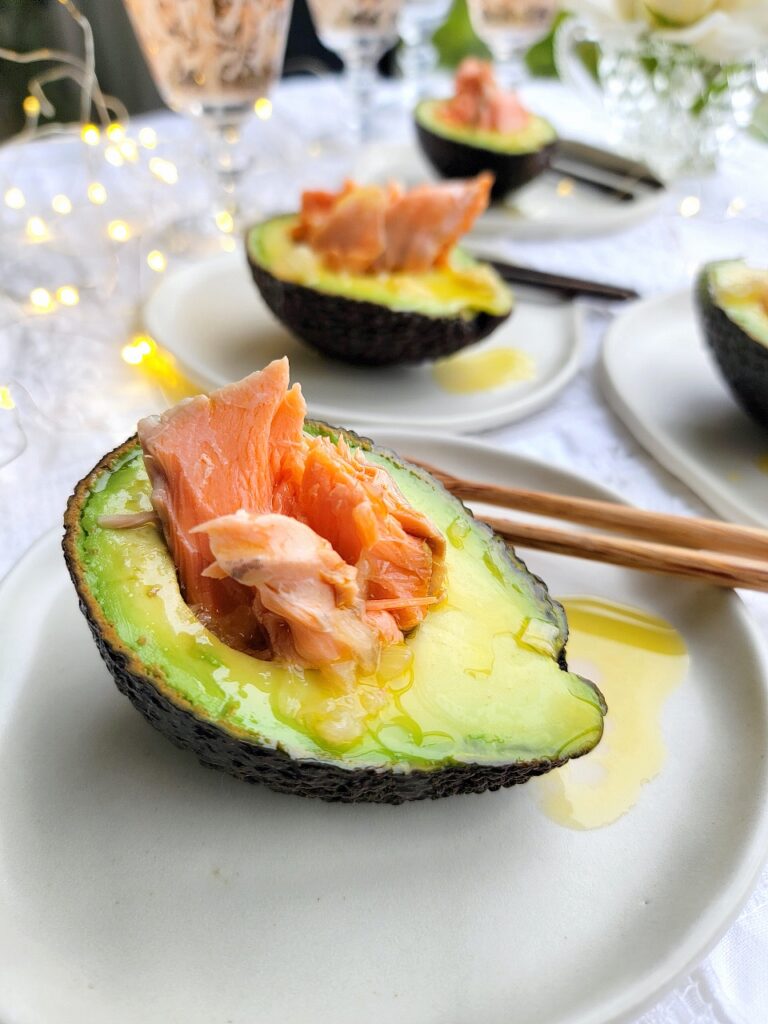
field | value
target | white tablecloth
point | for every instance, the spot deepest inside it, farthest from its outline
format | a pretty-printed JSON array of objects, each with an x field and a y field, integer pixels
[{"x": 75, "y": 396}]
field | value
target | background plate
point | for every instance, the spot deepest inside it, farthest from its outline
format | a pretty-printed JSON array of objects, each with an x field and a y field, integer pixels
[
  {"x": 137, "y": 886},
  {"x": 659, "y": 378},
  {"x": 537, "y": 211},
  {"x": 212, "y": 318}
]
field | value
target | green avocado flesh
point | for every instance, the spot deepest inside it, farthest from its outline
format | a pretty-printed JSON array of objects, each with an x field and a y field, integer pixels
[
  {"x": 477, "y": 682},
  {"x": 536, "y": 134},
  {"x": 463, "y": 287},
  {"x": 741, "y": 292}
]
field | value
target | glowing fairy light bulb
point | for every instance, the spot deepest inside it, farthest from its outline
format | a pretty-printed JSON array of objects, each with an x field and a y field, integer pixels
[
  {"x": 129, "y": 150},
  {"x": 156, "y": 261},
  {"x": 113, "y": 156},
  {"x": 31, "y": 106},
  {"x": 37, "y": 230},
  {"x": 90, "y": 135},
  {"x": 131, "y": 354},
  {"x": 67, "y": 295},
  {"x": 225, "y": 222},
  {"x": 14, "y": 198},
  {"x": 41, "y": 300},
  {"x": 61, "y": 204},
  {"x": 565, "y": 187},
  {"x": 97, "y": 193},
  {"x": 165, "y": 170},
  {"x": 6, "y": 398},
  {"x": 148, "y": 138},
  {"x": 118, "y": 231},
  {"x": 690, "y": 206},
  {"x": 263, "y": 108},
  {"x": 138, "y": 348},
  {"x": 115, "y": 132}
]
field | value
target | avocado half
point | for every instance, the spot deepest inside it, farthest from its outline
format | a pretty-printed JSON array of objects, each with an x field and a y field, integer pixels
[
  {"x": 732, "y": 304},
  {"x": 483, "y": 700},
  {"x": 459, "y": 152},
  {"x": 374, "y": 319}
]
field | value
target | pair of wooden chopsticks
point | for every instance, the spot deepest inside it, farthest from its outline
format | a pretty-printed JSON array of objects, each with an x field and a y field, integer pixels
[{"x": 700, "y": 549}]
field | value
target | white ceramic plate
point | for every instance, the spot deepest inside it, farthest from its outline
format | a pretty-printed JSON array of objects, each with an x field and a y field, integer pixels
[
  {"x": 137, "y": 886},
  {"x": 539, "y": 210},
  {"x": 212, "y": 318},
  {"x": 660, "y": 379}
]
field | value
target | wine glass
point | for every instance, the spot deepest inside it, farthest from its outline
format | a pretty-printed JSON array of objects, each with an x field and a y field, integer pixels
[
  {"x": 508, "y": 28},
  {"x": 360, "y": 32},
  {"x": 419, "y": 19},
  {"x": 213, "y": 60}
]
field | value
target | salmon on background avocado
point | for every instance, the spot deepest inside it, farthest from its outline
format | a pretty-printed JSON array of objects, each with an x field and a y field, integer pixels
[
  {"x": 285, "y": 544},
  {"x": 371, "y": 229},
  {"x": 479, "y": 102}
]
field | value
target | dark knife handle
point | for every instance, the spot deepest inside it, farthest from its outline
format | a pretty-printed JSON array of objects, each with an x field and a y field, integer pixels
[
  {"x": 564, "y": 284},
  {"x": 603, "y": 159},
  {"x": 614, "y": 191}
]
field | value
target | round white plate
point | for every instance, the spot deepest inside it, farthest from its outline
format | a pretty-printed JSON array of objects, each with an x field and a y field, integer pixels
[
  {"x": 540, "y": 210},
  {"x": 658, "y": 376},
  {"x": 212, "y": 318},
  {"x": 137, "y": 886}
]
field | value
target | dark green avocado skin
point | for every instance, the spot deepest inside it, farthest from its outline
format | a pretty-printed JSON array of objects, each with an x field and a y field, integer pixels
[
  {"x": 453, "y": 159},
  {"x": 216, "y": 748},
  {"x": 366, "y": 333},
  {"x": 743, "y": 362}
]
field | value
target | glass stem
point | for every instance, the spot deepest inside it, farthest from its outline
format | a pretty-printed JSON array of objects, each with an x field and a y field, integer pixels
[
  {"x": 417, "y": 59},
  {"x": 509, "y": 66},
  {"x": 360, "y": 73},
  {"x": 228, "y": 164}
]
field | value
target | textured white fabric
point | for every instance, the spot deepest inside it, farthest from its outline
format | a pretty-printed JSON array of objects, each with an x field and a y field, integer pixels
[{"x": 75, "y": 396}]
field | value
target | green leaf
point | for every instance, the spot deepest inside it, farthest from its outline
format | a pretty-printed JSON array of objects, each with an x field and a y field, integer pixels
[{"x": 456, "y": 39}]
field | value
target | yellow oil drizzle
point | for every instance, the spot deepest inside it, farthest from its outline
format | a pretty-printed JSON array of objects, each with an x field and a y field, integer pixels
[
  {"x": 762, "y": 463},
  {"x": 637, "y": 660},
  {"x": 470, "y": 372}
]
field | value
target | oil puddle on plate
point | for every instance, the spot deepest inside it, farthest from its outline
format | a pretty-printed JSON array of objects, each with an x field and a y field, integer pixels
[
  {"x": 637, "y": 660},
  {"x": 470, "y": 372}
]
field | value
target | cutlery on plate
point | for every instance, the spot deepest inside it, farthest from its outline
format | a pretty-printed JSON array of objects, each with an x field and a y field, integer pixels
[
  {"x": 570, "y": 152},
  {"x": 562, "y": 283},
  {"x": 721, "y": 554}
]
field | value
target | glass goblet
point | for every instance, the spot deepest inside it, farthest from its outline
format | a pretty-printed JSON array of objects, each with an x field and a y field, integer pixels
[
  {"x": 360, "y": 32},
  {"x": 213, "y": 60},
  {"x": 508, "y": 28}
]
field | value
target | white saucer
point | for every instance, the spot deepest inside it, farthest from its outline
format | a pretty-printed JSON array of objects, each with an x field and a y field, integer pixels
[
  {"x": 660, "y": 379},
  {"x": 213, "y": 320},
  {"x": 537, "y": 211},
  {"x": 137, "y": 886}
]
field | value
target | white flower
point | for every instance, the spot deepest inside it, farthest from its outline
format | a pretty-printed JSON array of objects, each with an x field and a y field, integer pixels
[{"x": 720, "y": 30}]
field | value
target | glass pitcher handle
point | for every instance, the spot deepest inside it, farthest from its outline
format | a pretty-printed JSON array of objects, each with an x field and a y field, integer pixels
[{"x": 570, "y": 66}]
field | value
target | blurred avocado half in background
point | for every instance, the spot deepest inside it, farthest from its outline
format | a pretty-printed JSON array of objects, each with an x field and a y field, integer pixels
[{"x": 732, "y": 303}]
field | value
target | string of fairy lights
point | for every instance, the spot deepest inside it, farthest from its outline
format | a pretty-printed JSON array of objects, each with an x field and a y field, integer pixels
[{"x": 106, "y": 138}]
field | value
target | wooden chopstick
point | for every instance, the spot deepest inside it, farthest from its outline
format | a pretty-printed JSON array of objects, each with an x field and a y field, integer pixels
[
  {"x": 713, "y": 567},
  {"x": 683, "y": 531},
  {"x": 718, "y": 553}
]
